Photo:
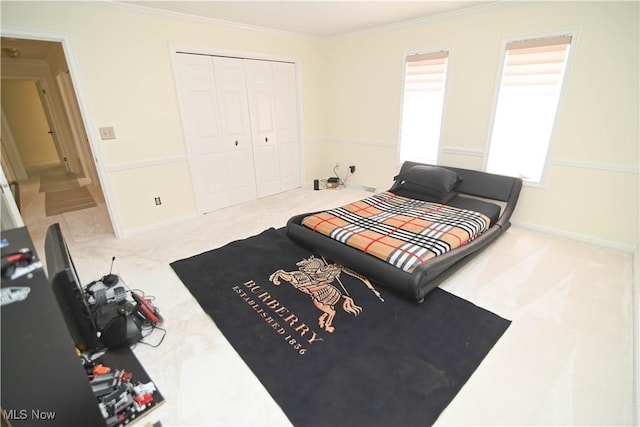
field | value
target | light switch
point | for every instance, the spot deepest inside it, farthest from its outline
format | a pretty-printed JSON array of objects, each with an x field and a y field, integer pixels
[{"x": 107, "y": 133}]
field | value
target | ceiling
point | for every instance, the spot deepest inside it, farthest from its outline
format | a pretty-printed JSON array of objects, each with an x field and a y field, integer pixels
[
  {"x": 319, "y": 18},
  {"x": 314, "y": 18}
]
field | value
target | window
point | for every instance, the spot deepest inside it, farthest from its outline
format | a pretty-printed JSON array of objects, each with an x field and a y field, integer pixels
[
  {"x": 424, "y": 84},
  {"x": 530, "y": 88}
]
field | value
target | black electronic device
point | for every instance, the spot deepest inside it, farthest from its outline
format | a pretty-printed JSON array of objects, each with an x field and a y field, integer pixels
[
  {"x": 68, "y": 291},
  {"x": 123, "y": 330},
  {"x": 107, "y": 295},
  {"x": 118, "y": 324},
  {"x": 96, "y": 318}
]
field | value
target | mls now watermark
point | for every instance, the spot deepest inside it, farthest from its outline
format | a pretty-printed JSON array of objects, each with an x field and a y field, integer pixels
[{"x": 28, "y": 414}]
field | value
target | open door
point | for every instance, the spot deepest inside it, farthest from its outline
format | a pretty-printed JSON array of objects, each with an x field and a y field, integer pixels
[
  {"x": 9, "y": 214},
  {"x": 46, "y": 108}
]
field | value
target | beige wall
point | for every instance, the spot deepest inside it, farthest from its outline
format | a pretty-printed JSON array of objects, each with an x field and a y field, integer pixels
[
  {"x": 19, "y": 100},
  {"x": 591, "y": 186},
  {"x": 351, "y": 91}
]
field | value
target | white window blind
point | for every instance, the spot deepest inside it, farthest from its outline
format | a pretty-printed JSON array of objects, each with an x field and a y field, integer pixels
[
  {"x": 424, "y": 85},
  {"x": 530, "y": 88}
]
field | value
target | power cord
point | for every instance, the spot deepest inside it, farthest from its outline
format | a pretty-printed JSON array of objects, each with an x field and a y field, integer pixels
[
  {"x": 342, "y": 182},
  {"x": 152, "y": 329}
]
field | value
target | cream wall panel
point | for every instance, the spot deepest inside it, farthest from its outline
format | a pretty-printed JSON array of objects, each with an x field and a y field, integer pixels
[
  {"x": 124, "y": 61},
  {"x": 371, "y": 160},
  {"x": 585, "y": 202},
  {"x": 362, "y": 98},
  {"x": 144, "y": 184},
  {"x": 316, "y": 163},
  {"x": 597, "y": 122}
]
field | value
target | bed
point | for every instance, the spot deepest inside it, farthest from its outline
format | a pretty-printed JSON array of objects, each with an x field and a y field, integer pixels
[{"x": 411, "y": 238}]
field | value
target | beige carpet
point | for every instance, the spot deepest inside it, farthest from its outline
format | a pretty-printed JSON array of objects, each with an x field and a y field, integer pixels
[
  {"x": 57, "y": 182},
  {"x": 74, "y": 199}
]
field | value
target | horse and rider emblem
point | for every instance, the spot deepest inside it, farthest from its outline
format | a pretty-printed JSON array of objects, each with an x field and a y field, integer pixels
[{"x": 315, "y": 277}]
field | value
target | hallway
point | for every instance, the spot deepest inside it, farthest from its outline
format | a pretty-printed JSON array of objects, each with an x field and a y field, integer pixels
[{"x": 77, "y": 214}]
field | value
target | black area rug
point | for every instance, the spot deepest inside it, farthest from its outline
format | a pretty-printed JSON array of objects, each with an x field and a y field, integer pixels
[{"x": 381, "y": 361}]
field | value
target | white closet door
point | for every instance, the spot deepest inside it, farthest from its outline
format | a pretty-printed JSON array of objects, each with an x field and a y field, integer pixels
[
  {"x": 205, "y": 147},
  {"x": 240, "y": 122},
  {"x": 263, "y": 126},
  {"x": 286, "y": 109},
  {"x": 234, "y": 118}
]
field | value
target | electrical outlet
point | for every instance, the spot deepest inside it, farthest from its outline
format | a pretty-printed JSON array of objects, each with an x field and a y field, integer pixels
[
  {"x": 157, "y": 201},
  {"x": 337, "y": 165},
  {"x": 352, "y": 168},
  {"x": 107, "y": 133}
]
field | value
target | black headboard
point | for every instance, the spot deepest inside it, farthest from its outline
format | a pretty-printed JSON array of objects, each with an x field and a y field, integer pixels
[{"x": 484, "y": 185}]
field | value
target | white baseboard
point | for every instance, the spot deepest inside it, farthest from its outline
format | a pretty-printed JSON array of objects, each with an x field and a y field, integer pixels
[
  {"x": 576, "y": 236},
  {"x": 42, "y": 165},
  {"x": 636, "y": 324},
  {"x": 309, "y": 185},
  {"x": 158, "y": 225}
]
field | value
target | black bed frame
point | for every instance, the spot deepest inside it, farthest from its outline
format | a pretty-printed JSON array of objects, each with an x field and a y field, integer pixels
[{"x": 428, "y": 275}]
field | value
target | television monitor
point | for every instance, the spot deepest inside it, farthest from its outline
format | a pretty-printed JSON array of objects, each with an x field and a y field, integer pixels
[{"x": 68, "y": 291}]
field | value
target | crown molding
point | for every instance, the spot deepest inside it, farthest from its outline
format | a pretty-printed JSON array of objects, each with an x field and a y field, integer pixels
[
  {"x": 429, "y": 19},
  {"x": 134, "y": 8}
]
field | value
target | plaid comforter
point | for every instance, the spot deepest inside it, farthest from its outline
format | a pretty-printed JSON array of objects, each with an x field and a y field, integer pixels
[{"x": 403, "y": 232}]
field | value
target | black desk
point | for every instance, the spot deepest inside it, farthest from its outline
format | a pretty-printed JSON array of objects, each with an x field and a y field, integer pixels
[{"x": 42, "y": 377}]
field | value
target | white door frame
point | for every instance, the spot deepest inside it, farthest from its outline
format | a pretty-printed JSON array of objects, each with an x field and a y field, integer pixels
[
  {"x": 92, "y": 136},
  {"x": 8, "y": 202},
  {"x": 79, "y": 133},
  {"x": 11, "y": 159}
]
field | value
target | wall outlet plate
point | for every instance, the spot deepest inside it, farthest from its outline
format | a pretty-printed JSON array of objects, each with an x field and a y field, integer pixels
[{"x": 107, "y": 133}]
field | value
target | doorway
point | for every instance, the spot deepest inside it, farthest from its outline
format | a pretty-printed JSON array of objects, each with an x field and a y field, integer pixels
[
  {"x": 33, "y": 138},
  {"x": 45, "y": 146}
]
